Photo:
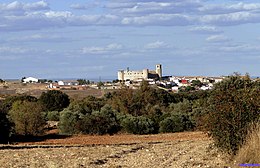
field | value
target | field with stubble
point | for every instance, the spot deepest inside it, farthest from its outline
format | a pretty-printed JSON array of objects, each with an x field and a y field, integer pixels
[{"x": 180, "y": 150}]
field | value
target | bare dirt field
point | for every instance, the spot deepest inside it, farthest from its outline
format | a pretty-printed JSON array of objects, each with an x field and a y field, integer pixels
[
  {"x": 177, "y": 150},
  {"x": 36, "y": 89}
]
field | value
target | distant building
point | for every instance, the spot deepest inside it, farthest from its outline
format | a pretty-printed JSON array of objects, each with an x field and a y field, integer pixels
[
  {"x": 30, "y": 80},
  {"x": 145, "y": 74},
  {"x": 68, "y": 83}
]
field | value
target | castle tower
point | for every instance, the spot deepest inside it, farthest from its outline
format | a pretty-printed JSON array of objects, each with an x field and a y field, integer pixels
[
  {"x": 158, "y": 70},
  {"x": 120, "y": 75}
]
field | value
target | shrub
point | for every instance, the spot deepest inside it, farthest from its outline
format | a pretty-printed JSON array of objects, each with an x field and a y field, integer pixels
[
  {"x": 250, "y": 150},
  {"x": 54, "y": 100},
  {"x": 68, "y": 122},
  {"x": 138, "y": 125},
  {"x": 28, "y": 118},
  {"x": 53, "y": 116},
  {"x": 232, "y": 106},
  {"x": 176, "y": 123},
  {"x": 103, "y": 122},
  {"x": 98, "y": 122}
]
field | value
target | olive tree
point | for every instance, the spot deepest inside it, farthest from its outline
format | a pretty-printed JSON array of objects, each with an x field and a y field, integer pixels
[
  {"x": 54, "y": 100},
  {"x": 27, "y": 117}
]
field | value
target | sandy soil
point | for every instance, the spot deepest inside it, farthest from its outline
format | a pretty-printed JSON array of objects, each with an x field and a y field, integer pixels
[{"x": 190, "y": 149}]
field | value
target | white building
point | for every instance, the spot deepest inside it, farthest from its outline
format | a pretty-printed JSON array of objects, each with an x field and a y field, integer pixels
[
  {"x": 30, "y": 80},
  {"x": 145, "y": 74}
]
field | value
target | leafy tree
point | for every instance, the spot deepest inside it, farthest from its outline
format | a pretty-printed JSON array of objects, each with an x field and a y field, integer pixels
[
  {"x": 68, "y": 122},
  {"x": 42, "y": 80},
  {"x": 87, "y": 105},
  {"x": 53, "y": 115},
  {"x": 196, "y": 83},
  {"x": 27, "y": 118},
  {"x": 83, "y": 81},
  {"x": 101, "y": 122},
  {"x": 6, "y": 105},
  {"x": 5, "y": 128},
  {"x": 54, "y": 100},
  {"x": 100, "y": 84}
]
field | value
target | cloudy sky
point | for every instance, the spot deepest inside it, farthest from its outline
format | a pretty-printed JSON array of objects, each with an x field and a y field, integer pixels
[{"x": 96, "y": 38}]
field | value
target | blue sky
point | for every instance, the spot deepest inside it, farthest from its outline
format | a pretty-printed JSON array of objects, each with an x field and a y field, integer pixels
[{"x": 96, "y": 38}]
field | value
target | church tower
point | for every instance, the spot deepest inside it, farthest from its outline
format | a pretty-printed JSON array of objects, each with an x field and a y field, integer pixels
[{"x": 158, "y": 70}]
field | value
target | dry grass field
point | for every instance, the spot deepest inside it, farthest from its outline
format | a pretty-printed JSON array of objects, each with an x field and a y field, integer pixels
[
  {"x": 36, "y": 89},
  {"x": 177, "y": 150}
]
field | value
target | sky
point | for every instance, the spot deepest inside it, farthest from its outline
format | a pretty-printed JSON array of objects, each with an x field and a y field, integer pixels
[{"x": 96, "y": 38}]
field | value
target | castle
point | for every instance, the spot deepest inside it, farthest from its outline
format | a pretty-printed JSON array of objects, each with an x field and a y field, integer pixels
[{"x": 124, "y": 75}]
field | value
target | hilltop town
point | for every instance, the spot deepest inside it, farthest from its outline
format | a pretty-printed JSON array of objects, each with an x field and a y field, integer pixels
[{"x": 126, "y": 78}]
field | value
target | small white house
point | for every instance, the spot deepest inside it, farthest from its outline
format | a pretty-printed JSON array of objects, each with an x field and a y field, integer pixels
[
  {"x": 61, "y": 83},
  {"x": 30, "y": 80}
]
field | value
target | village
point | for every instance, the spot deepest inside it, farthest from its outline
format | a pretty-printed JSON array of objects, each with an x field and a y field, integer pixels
[
  {"x": 133, "y": 78},
  {"x": 126, "y": 78}
]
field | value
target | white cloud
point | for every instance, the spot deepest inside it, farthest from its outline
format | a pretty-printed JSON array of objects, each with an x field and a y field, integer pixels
[
  {"x": 230, "y": 8},
  {"x": 17, "y": 16},
  {"x": 205, "y": 30},
  {"x": 231, "y": 19},
  {"x": 89, "y": 5},
  {"x": 102, "y": 50},
  {"x": 151, "y": 7},
  {"x": 217, "y": 39},
  {"x": 59, "y": 14},
  {"x": 19, "y": 7},
  {"x": 156, "y": 45},
  {"x": 40, "y": 5},
  {"x": 241, "y": 48},
  {"x": 159, "y": 19}
]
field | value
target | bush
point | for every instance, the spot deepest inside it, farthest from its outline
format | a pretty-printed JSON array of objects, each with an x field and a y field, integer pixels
[
  {"x": 232, "y": 106},
  {"x": 68, "y": 122},
  {"x": 103, "y": 122},
  {"x": 98, "y": 122},
  {"x": 54, "y": 100},
  {"x": 53, "y": 116},
  {"x": 138, "y": 125},
  {"x": 28, "y": 118},
  {"x": 176, "y": 123}
]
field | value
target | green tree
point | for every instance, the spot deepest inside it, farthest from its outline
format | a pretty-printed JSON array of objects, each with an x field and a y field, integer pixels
[
  {"x": 138, "y": 125},
  {"x": 27, "y": 118},
  {"x": 5, "y": 128},
  {"x": 196, "y": 83},
  {"x": 83, "y": 81},
  {"x": 68, "y": 122},
  {"x": 54, "y": 100},
  {"x": 6, "y": 105},
  {"x": 173, "y": 123},
  {"x": 100, "y": 84},
  {"x": 101, "y": 122}
]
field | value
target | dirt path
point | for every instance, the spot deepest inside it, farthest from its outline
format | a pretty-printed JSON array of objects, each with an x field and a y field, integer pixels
[{"x": 179, "y": 150}]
